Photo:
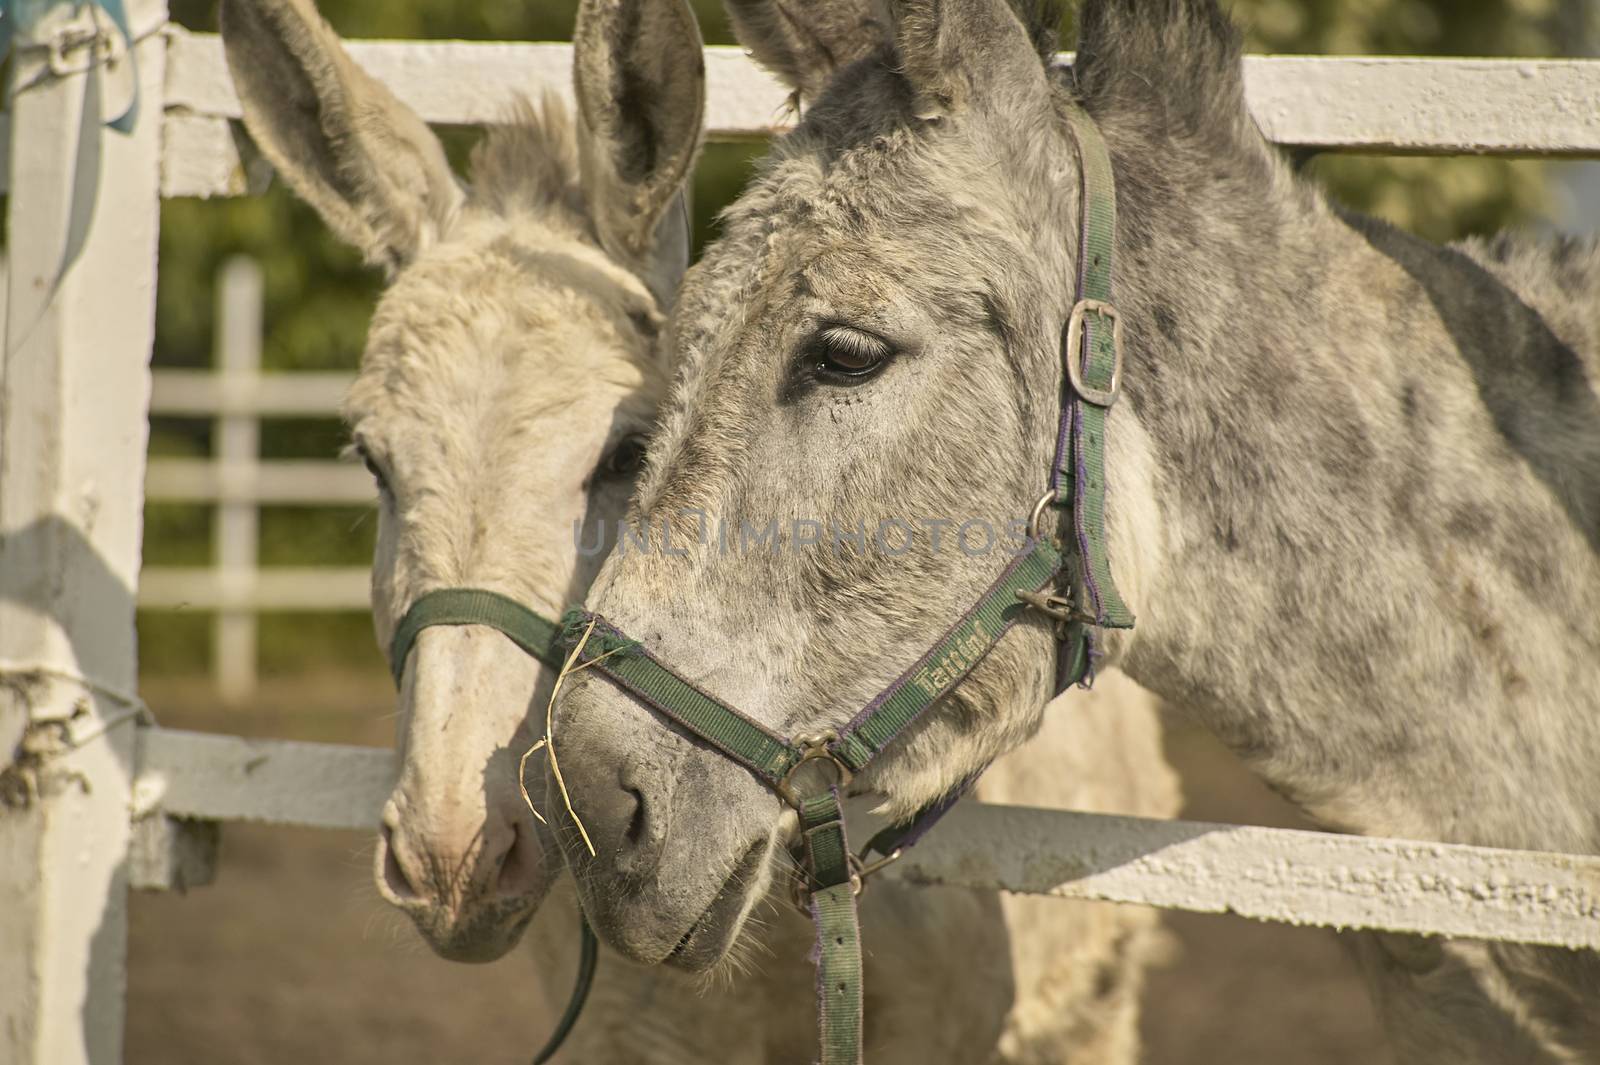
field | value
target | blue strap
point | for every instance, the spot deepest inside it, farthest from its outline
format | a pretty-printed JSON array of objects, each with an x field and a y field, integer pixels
[
  {"x": 18, "y": 16},
  {"x": 124, "y": 122}
]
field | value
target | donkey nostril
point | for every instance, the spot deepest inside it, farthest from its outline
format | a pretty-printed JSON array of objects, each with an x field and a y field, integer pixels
[
  {"x": 624, "y": 814},
  {"x": 521, "y": 866},
  {"x": 636, "y": 824},
  {"x": 394, "y": 874}
]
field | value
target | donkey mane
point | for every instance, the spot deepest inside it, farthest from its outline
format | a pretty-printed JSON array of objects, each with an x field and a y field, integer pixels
[
  {"x": 1175, "y": 58},
  {"x": 528, "y": 162}
]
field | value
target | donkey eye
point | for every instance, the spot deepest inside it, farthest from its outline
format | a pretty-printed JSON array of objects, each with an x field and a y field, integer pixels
[
  {"x": 626, "y": 459},
  {"x": 645, "y": 323},
  {"x": 846, "y": 352},
  {"x": 373, "y": 468}
]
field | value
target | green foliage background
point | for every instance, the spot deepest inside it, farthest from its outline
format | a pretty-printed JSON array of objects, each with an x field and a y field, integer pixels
[{"x": 318, "y": 295}]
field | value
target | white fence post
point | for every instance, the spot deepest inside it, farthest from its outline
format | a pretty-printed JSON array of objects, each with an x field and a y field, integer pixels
[
  {"x": 74, "y": 380},
  {"x": 238, "y": 360}
]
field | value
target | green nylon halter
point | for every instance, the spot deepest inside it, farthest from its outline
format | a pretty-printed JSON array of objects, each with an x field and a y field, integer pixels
[
  {"x": 528, "y": 629},
  {"x": 1092, "y": 354},
  {"x": 1092, "y": 371},
  {"x": 834, "y": 875},
  {"x": 539, "y": 637}
]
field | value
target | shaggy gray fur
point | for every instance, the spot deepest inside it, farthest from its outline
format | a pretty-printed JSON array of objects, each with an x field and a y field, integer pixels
[{"x": 1354, "y": 482}]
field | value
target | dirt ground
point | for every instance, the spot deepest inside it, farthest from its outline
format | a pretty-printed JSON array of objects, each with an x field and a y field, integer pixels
[{"x": 292, "y": 959}]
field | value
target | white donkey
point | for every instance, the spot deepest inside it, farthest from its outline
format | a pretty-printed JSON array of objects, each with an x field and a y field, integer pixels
[{"x": 511, "y": 370}]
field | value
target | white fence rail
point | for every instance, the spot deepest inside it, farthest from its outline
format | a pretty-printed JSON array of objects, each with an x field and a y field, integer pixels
[
  {"x": 237, "y": 395},
  {"x": 79, "y": 295},
  {"x": 1313, "y": 878},
  {"x": 1393, "y": 105},
  {"x": 1410, "y": 105}
]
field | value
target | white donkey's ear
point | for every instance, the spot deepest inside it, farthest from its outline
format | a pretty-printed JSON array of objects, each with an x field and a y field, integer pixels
[
  {"x": 639, "y": 75},
  {"x": 804, "y": 41},
  {"x": 369, "y": 166},
  {"x": 960, "y": 53}
]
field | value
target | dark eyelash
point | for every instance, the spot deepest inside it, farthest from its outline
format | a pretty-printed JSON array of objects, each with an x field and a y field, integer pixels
[{"x": 852, "y": 342}]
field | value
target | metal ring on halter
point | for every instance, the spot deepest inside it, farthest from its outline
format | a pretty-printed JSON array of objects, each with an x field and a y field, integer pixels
[
  {"x": 1036, "y": 517},
  {"x": 813, "y": 747},
  {"x": 860, "y": 869},
  {"x": 1058, "y": 608}
]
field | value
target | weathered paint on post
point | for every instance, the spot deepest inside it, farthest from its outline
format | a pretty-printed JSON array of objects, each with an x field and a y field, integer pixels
[{"x": 74, "y": 382}]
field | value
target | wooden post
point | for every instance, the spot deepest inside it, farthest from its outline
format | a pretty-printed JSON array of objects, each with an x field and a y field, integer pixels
[
  {"x": 74, "y": 385},
  {"x": 238, "y": 360}
]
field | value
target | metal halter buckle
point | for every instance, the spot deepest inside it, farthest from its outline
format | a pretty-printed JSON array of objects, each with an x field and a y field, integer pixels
[
  {"x": 860, "y": 869},
  {"x": 1099, "y": 397},
  {"x": 813, "y": 747}
]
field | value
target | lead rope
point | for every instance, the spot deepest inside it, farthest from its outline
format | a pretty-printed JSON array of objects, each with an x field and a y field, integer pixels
[{"x": 588, "y": 960}]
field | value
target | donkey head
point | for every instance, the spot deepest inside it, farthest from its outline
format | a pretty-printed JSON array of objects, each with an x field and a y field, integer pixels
[
  {"x": 853, "y": 354},
  {"x": 864, "y": 416},
  {"x": 510, "y": 372}
]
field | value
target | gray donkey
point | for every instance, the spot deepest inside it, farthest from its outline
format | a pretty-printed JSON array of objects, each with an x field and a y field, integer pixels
[
  {"x": 1354, "y": 487},
  {"x": 511, "y": 370}
]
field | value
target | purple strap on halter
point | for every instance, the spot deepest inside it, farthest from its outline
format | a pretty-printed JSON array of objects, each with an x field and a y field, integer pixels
[{"x": 930, "y": 815}]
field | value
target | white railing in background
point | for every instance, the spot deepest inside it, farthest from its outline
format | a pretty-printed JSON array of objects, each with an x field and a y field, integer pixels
[
  {"x": 1409, "y": 105},
  {"x": 237, "y": 395},
  {"x": 77, "y": 340}
]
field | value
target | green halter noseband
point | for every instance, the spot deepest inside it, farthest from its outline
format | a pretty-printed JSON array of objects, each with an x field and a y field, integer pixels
[
  {"x": 834, "y": 875},
  {"x": 528, "y": 629},
  {"x": 539, "y": 637}
]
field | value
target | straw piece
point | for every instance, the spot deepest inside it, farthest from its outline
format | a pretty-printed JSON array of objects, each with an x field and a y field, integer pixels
[
  {"x": 548, "y": 741},
  {"x": 522, "y": 784}
]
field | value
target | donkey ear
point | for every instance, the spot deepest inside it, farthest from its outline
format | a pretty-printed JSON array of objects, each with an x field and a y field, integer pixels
[
  {"x": 960, "y": 53},
  {"x": 639, "y": 76},
  {"x": 368, "y": 165},
  {"x": 804, "y": 41}
]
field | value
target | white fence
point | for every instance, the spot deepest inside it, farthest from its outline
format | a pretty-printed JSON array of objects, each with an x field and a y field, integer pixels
[
  {"x": 238, "y": 482},
  {"x": 92, "y": 800}
]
